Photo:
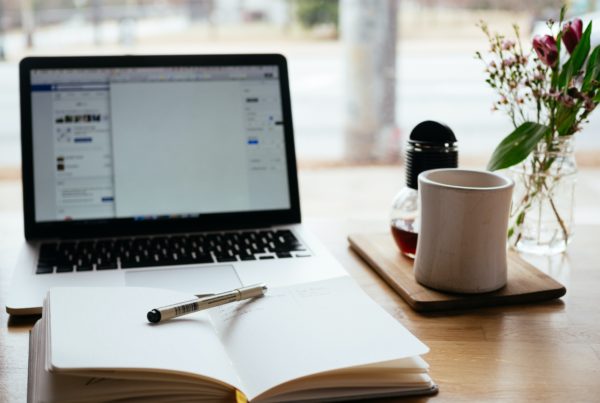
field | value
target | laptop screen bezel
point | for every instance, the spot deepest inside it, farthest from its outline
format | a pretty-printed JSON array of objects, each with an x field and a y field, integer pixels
[{"x": 128, "y": 226}]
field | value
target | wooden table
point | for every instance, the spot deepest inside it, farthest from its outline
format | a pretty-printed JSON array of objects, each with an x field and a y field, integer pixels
[{"x": 548, "y": 351}]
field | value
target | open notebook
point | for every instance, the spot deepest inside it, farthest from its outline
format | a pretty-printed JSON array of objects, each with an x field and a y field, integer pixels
[{"x": 324, "y": 340}]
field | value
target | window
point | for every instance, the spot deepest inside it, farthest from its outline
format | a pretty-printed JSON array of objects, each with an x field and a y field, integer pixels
[{"x": 362, "y": 73}]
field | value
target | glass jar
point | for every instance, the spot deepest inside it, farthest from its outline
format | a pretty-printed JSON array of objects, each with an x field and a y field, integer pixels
[
  {"x": 541, "y": 220},
  {"x": 404, "y": 220},
  {"x": 431, "y": 145}
]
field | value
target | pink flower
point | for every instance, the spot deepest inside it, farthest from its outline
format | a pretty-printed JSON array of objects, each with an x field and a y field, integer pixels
[
  {"x": 567, "y": 100},
  {"x": 545, "y": 47},
  {"x": 589, "y": 103},
  {"x": 554, "y": 94},
  {"x": 508, "y": 62},
  {"x": 571, "y": 34},
  {"x": 508, "y": 44}
]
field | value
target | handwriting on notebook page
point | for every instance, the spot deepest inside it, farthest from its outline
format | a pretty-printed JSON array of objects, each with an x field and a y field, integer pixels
[{"x": 283, "y": 300}]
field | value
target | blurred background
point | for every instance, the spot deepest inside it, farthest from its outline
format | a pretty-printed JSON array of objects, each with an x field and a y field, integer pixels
[{"x": 363, "y": 72}]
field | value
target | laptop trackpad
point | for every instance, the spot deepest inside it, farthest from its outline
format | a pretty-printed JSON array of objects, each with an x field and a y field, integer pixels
[{"x": 193, "y": 280}]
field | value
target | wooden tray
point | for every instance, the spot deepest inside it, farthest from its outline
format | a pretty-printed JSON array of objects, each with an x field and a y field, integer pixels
[{"x": 525, "y": 282}]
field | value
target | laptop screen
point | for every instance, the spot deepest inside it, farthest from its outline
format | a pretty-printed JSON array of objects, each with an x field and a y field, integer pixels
[{"x": 157, "y": 142}]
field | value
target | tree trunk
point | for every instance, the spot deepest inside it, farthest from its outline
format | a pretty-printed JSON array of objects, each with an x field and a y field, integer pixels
[
  {"x": 368, "y": 32},
  {"x": 27, "y": 21}
]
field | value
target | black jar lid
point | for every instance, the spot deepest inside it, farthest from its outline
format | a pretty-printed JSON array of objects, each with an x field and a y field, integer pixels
[{"x": 431, "y": 145}]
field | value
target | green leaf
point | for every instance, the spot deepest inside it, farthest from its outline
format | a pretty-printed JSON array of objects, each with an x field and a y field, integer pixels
[
  {"x": 565, "y": 119},
  {"x": 575, "y": 62},
  {"x": 516, "y": 146},
  {"x": 592, "y": 71}
]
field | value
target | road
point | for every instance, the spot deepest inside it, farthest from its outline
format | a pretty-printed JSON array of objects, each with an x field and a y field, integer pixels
[{"x": 439, "y": 81}]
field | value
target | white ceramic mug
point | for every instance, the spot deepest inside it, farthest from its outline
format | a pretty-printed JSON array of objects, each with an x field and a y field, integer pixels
[{"x": 462, "y": 240}]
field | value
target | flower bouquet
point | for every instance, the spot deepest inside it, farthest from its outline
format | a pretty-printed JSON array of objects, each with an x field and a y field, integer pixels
[{"x": 548, "y": 94}]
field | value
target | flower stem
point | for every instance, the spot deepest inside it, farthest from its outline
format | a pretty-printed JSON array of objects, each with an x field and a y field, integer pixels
[{"x": 558, "y": 217}]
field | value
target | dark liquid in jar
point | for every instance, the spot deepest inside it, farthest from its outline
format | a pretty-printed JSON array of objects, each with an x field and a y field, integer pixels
[{"x": 405, "y": 239}]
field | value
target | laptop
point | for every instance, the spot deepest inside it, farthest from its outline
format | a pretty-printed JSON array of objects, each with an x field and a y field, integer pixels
[{"x": 160, "y": 171}]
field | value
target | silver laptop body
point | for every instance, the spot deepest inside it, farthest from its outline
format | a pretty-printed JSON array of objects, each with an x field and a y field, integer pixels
[{"x": 160, "y": 171}]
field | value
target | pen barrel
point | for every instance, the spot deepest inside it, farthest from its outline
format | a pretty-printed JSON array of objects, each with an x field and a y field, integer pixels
[
  {"x": 184, "y": 308},
  {"x": 175, "y": 310},
  {"x": 194, "y": 305},
  {"x": 218, "y": 299}
]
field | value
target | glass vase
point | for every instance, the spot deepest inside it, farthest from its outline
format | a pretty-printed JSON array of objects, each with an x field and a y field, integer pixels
[{"x": 541, "y": 220}]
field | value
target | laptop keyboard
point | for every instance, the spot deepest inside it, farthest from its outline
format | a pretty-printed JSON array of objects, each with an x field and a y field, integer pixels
[{"x": 129, "y": 253}]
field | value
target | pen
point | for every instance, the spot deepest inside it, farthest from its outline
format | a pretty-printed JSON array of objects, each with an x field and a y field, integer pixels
[{"x": 199, "y": 304}]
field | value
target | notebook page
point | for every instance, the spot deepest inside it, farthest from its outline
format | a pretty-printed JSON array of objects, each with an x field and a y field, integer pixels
[
  {"x": 310, "y": 328},
  {"x": 103, "y": 328},
  {"x": 51, "y": 387}
]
